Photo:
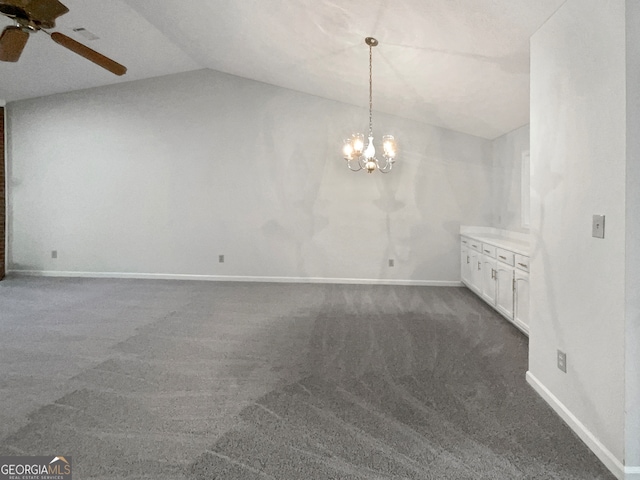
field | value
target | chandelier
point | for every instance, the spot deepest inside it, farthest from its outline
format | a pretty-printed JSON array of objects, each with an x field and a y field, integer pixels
[{"x": 357, "y": 156}]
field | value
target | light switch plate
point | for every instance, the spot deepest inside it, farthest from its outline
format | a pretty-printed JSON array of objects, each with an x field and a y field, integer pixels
[{"x": 598, "y": 226}]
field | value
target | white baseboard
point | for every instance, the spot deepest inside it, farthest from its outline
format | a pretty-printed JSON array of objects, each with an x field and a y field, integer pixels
[
  {"x": 606, "y": 457},
  {"x": 233, "y": 278},
  {"x": 631, "y": 473}
]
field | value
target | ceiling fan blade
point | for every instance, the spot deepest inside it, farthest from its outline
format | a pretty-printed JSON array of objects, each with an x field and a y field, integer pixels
[
  {"x": 12, "y": 42},
  {"x": 91, "y": 55}
]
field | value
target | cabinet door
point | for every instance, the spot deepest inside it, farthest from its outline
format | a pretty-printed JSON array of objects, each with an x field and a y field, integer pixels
[
  {"x": 475, "y": 273},
  {"x": 489, "y": 280},
  {"x": 465, "y": 265},
  {"x": 521, "y": 300},
  {"x": 504, "y": 290}
]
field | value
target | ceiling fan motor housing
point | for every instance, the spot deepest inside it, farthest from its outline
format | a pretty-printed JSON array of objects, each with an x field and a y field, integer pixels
[{"x": 37, "y": 13}]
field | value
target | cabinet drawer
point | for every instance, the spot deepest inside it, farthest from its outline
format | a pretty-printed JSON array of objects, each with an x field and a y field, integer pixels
[
  {"x": 489, "y": 250},
  {"x": 476, "y": 245},
  {"x": 505, "y": 256},
  {"x": 522, "y": 262}
]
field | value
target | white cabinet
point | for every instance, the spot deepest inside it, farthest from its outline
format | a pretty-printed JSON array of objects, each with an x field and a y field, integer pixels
[
  {"x": 499, "y": 276},
  {"x": 475, "y": 274},
  {"x": 465, "y": 263},
  {"x": 488, "y": 277},
  {"x": 489, "y": 250},
  {"x": 521, "y": 299},
  {"x": 504, "y": 290},
  {"x": 471, "y": 264},
  {"x": 475, "y": 245},
  {"x": 522, "y": 262}
]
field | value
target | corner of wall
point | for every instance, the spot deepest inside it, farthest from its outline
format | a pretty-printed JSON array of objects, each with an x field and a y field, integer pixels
[
  {"x": 632, "y": 260},
  {"x": 506, "y": 152}
]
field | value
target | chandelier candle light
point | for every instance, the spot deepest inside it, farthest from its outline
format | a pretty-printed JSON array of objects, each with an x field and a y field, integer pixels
[{"x": 357, "y": 156}]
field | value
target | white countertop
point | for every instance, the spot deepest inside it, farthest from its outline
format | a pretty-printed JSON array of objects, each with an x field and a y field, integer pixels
[{"x": 513, "y": 241}]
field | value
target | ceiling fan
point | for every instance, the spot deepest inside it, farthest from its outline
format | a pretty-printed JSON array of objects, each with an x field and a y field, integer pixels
[{"x": 33, "y": 15}]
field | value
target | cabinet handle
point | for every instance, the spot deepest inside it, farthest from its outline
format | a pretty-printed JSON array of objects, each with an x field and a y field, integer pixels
[
  {"x": 494, "y": 273},
  {"x": 504, "y": 258},
  {"x": 467, "y": 258},
  {"x": 474, "y": 246},
  {"x": 479, "y": 265},
  {"x": 523, "y": 265},
  {"x": 487, "y": 251}
]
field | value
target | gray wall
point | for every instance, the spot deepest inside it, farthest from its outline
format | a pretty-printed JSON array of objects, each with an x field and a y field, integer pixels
[
  {"x": 579, "y": 163},
  {"x": 162, "y": 176}
]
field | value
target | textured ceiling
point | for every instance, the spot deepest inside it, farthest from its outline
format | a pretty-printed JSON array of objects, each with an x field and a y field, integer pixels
[{"x": 459, "y": 64}]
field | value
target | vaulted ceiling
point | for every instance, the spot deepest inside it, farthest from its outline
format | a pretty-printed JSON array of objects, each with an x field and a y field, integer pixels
[{"x": 458, "y": 64}]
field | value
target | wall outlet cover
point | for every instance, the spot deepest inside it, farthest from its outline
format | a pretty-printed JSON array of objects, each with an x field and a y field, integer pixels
[
  {"x": 598, "y": 226},
  {"x": 562, "y": 361}
]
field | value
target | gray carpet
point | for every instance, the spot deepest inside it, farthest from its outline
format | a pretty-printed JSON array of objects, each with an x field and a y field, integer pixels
[{"x": 196, "y": 380}]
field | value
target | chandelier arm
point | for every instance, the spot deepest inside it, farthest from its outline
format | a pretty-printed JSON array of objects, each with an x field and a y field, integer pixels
[
  {"x": 350, "y": 165},
  {"x": 387, "y": 166}
]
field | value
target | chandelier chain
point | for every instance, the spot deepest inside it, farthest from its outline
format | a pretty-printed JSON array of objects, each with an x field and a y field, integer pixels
[{"x": 370, "y": 91}]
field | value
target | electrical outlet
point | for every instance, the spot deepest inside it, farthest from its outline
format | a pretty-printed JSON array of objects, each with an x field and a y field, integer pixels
[
  {"x": 54, "y": 253},
  {"x": 220, "y": 258},
  {"x": 562, "y": 361},
  {"x": 597, "y": 228},
  {"x": 391, "y": 262}
]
